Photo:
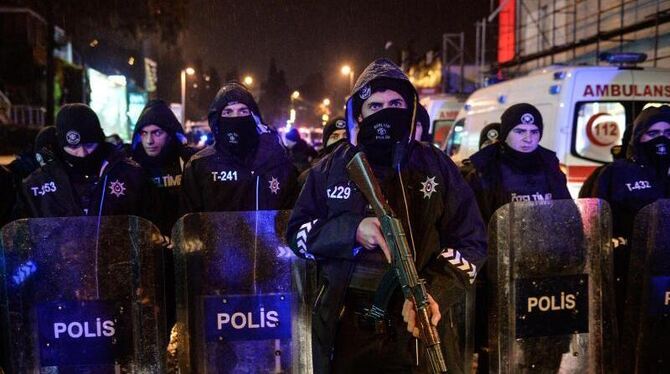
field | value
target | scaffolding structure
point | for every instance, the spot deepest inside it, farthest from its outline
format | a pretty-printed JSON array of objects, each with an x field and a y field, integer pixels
[{"x": 576, "y": 31}]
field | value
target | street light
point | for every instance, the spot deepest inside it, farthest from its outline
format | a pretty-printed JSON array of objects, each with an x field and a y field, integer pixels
[
  {"x": 248, "y": 80},
  {"x": 295, "y": 95},
  {"x": 326, "y": 102},
  {"x": 347, "y": 70},
  {"x": 190, "y": 71}
]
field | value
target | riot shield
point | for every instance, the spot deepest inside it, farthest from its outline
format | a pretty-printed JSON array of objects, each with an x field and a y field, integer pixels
[
  {"x": 646, "y": 334},
  {"x": 551, "y": 301},
  {"x": 241, "y": 295},
  {"x": 82, "y": 294}
]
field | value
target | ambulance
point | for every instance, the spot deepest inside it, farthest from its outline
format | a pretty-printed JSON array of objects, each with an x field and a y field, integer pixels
[
  {"x": 585, "y": 110},
  {"x": 442, "y": 110}
]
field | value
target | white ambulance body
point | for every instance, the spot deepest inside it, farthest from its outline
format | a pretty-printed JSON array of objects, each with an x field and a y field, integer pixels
[
  {"x": 585, "y": 111},
  {"x": 442, "y": 110}
]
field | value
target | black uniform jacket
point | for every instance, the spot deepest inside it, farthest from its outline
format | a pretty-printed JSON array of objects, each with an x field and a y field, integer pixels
[
  {"x": 446, "y": 227},
  {"x": 215, "y": 180},
  {"x": 122, "y": 188},
  {"x": 628, "y": 185},
  {"x": 496, "y": 182}
]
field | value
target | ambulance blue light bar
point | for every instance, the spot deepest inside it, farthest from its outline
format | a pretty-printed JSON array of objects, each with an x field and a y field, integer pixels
[{"x": 618, "y": 58}]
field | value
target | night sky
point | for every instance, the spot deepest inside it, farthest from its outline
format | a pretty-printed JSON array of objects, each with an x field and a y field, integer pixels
[{"x": 319, "y": 36}]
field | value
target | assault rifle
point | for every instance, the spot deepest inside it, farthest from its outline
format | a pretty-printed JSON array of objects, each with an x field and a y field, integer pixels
[{"x": 413, "y": 288}]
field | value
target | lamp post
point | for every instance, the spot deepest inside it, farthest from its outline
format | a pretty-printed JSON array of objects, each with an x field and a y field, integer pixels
[
  {"x": 188, "y": 71},
  {"x": 248, "y": 80},
  {"x": 347, "y": 70}
]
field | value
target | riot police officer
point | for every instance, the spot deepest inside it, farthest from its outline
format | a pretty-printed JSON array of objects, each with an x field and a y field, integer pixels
[
  {"x": 159, "y": 146},
  {"x": 87, "y": 177},
  {"x": 246, "y": 169},
  {"x": 630, "y": 183},
  {"x": 515, "y": 168},
  {"x": 330, "y": 222}
]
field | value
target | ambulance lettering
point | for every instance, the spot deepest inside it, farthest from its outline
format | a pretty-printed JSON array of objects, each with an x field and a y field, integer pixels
[{"x": 626, "y": 90}]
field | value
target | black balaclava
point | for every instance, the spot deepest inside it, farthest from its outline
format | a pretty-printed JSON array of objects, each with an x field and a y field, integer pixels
[
  {"x": 655, "y": 152},
  {"x": 158, "y": 113},
  {"x": 382, "y": 75},
  {"x": 381, "y": 132},
  {"x": 77, "y": 124},
  {"x": 239, "y": 135}
]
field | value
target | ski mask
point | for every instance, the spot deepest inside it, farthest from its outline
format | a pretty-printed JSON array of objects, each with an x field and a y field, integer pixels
[
  {"x": 657, "y": 153},
  {"x": 380, "y": 133},
  {"x": 237, "y": 134},
  {"x": 89, "y": 165}
]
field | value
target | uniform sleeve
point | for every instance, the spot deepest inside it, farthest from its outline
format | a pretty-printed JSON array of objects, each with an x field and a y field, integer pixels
[
  {"x": 462, "y": 231},
  {"x": 191, "y": 198},
  {"x": 313, "y": 233},
  {"x": 601, "y": 187}
]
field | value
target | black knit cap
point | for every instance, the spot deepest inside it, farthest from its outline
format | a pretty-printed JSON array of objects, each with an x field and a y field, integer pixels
[
  {"x": 490, "y": 133},
  {"x": 337, "y": 123},
  {"x": 78, "y": 124},
  {"x": 232, "y": 91},
  {"x": 519, "y": 114}
]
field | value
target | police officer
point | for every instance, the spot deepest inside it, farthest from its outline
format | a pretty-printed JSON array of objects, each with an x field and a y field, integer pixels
[
  {"x": 489, "y": 134},
  {"x": 246, "y": 169},
  {"x": 86, "y": 177},
  {"x": 331, "y": 223},
  {"x": 630, "y": 183},
  {"x": 334, "y": 134},
  {"x": 516, "y": 168},
  {"x": 159, "y": 146},
  {"x": 301, "y": 153}
]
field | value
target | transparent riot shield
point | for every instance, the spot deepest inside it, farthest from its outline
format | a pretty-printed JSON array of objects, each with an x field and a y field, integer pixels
[
  {"x": 241, "y": 295},
  {"x": 646, "y": 334},
  {"x": 551, "y": 301},
  {"x": 82, "y": 295}
]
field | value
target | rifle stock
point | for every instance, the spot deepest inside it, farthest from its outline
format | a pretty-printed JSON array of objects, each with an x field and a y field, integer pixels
[{"x": 413, "y": 288}]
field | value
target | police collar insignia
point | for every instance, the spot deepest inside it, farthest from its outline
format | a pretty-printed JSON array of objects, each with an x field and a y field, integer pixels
[
  {"x": 661, "y": 149},
  {"x": 365, "y": 92},
  {"x": 429, "y": 186},
  {"x": 274, "y": 185},
  {"x": 72, "y": 137},
  {"x": 117, "y": 188},
  {"x": 527, "y": 119}
]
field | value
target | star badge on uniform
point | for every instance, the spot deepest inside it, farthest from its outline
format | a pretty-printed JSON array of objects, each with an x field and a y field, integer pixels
[
  {"x": 429, "y": 186},
  {"x": 117, "y": 188},
  {"x": 274, "y": 185}
]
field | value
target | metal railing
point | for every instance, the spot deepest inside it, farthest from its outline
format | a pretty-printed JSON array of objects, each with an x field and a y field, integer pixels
[{"x": 27, "y": 115}]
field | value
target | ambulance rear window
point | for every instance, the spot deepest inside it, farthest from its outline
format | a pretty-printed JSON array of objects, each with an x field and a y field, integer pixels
[{"x": 598, "y": 126}]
